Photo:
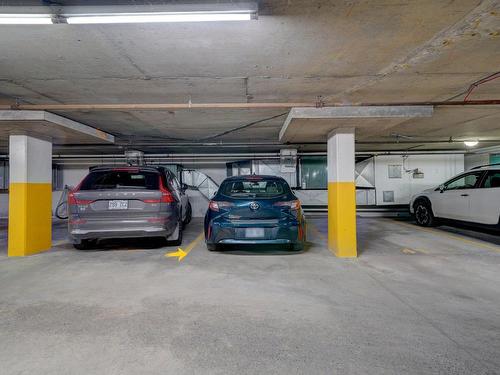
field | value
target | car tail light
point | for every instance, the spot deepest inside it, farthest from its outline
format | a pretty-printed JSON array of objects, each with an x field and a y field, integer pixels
[
  {"x": 217, "y": 205},
  {"x": 293, "y": 205},
  {"x": 151, "y": 200},
  {"x": 166, "y": 195},
  {"x": 72, "y": 201}
]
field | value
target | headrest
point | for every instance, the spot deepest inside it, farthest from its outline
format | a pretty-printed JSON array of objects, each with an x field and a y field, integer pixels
[{"x": 238, "y": 185}]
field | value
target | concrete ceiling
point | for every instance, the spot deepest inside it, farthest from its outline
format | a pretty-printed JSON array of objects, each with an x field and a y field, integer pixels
[{"x": 345, "y": 51}]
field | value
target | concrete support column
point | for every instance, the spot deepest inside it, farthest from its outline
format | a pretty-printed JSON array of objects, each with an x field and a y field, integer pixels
[
  {"x": 30, "y": 195},
  {"x": 341, "y": 193}
]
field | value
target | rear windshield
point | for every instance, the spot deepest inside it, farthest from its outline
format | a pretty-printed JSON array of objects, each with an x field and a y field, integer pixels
[
  {"x": 103, "y": 180},
  {"x": 254, "y": 188}
]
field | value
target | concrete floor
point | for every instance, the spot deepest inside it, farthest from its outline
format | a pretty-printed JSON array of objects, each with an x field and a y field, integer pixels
[{"x": 417, "y": 301}]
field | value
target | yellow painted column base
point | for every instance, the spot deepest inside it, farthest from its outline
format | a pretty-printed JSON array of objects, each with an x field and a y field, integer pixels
[
  {"x": 30, "y": 218},
  {"x": 342, "y": 219}
]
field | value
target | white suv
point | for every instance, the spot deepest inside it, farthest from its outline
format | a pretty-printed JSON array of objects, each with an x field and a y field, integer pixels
[{"x": 472, "y": 196}]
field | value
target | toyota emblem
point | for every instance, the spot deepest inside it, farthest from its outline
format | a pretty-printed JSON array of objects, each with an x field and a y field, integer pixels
[{"x": 254, "y": 206}]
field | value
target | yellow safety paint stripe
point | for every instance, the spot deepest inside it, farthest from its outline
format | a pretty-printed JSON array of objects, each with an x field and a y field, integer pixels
[
  {"x": 194, "y": 242},
  {"x": 342, "y": 219},
  {"x": 496, "y": 249},
  {"x": 30, "y": 218},
  {"x": 182, "y": 253}
]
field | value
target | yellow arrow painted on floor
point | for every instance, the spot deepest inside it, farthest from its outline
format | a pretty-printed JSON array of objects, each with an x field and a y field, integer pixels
[{"x": 180, "y": 253}]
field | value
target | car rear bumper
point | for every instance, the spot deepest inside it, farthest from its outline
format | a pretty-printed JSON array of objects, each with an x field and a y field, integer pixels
[
  {"x": 108, "y": 229},
  {"x": 77, "y": 235},
  {"x": 275, "y": 232},
  {"x": 279, "y": 241}
]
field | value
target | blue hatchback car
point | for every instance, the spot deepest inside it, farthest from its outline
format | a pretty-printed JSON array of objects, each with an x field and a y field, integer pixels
[{"x": 255, "y": 210}]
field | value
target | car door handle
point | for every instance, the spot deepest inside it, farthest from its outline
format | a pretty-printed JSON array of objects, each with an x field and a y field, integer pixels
[{"x": 464, "y": 195}]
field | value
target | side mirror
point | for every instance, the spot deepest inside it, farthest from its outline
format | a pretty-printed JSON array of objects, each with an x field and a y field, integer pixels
[{"x": 441, "y": 188}]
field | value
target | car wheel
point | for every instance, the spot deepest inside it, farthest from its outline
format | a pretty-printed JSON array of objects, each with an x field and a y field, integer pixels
[
  {"x": 189, "y": 214},
  {"x": 83, "y": 245},
  {"x": 175, "y": 239},
  {"x": 423, "y": 214}
]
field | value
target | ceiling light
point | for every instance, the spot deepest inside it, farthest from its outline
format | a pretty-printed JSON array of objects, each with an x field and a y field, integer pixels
[
  {"x": 471, "y": 143},
  {"x": 25, "y": 19},
  {"x": 222, "y": 10},
  {"x": 159, "y": 17}
]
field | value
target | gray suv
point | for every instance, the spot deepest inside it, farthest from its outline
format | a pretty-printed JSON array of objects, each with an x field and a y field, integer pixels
[{"x": 127, "y": 202}]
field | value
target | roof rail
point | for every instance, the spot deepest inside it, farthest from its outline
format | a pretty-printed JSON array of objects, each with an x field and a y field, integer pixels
[{"x": 486, "y": 165}]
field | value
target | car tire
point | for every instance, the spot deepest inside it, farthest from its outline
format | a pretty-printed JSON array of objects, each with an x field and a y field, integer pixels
[
  {"x": 189, "y": 214},
  {"x": 423, "y": 214},
  {"x": 297, "y": 247},
  {"x": 175, "y": 239},
  {"x": 83, "y": 245},
  {"x": 212, "y": 247}
]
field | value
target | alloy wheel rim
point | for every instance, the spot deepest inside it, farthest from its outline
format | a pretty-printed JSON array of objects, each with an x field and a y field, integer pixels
[{"x": 422, "y": 214}]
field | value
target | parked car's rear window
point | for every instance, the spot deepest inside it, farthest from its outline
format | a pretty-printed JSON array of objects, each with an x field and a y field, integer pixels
[
  {"x": 102, "y": 180},
  {"x": 492, "y": 180},
  {"x": 264, "y": 188}
]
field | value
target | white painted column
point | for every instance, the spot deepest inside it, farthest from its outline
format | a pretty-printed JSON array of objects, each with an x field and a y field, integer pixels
[
  {"x": 30, "y": 195},
  {"x": 341, "y": 193}
]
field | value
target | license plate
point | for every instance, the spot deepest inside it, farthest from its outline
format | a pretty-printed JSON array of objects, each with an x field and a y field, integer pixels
[
  {"x": 118, "y": 205},
  {"x": 254, "y": 232}
]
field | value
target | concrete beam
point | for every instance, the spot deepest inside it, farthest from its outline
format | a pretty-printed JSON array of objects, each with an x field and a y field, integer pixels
[
  {"x": 19, "y": 121},
  {"x": 356, "y": 112}
]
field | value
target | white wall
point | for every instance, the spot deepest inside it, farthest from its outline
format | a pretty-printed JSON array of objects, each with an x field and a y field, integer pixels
[
  {"x": 475, "y": 160},
  {"x": 72, "y": 176},
  {"x": 272, "y": 167},
  {"x": 312, "y": 197},
  {"x": 436, "y": 169}
]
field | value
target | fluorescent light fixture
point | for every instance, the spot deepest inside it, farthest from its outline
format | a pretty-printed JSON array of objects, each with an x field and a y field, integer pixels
[
  {"x": 471, "y": 143},
  {"x": 221, "y": 10},
  {"x": 25, "y": 19},
  {"x": 160, "y": 17}
]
